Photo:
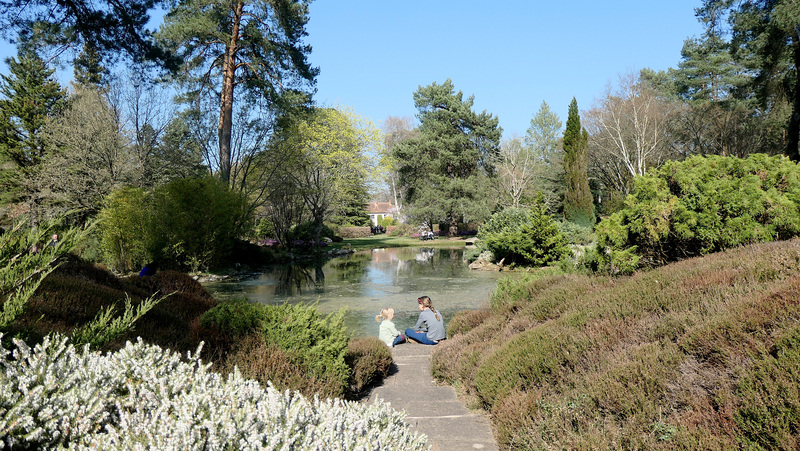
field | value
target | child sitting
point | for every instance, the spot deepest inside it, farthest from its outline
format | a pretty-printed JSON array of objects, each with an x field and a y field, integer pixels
[{"x": 388, "y": 333}]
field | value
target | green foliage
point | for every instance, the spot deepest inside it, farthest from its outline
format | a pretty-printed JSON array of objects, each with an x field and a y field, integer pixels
[
  {"x": 31, "y": 95},
  {"x": 370, "y": 361},
  {"x": 25, "y": 261},
  {"x": 387, "y": 221},
  {"x": 703, "y": 205},
  {"x": 196, "y": 222},
  {"x": 265, "y": 229},
  {"x": 306, "y": 232},
  {"x": 236, "y": 317},
  {"x": 770, "y": 412},
  {"x": 188, "y": 223},
  {"x": 575, "y": 233},
  {"x": 106, "y": 328},
  {"x": 443, "y": 169},
  {"x": 524, "y": 236},
  {"x": 594, "y": 362},
  {"x": 287, "y": 334},
  {"x": 124, "y": 229},
  {"x": 320, "y": 341},
  {"x": 578, "y": 205}
]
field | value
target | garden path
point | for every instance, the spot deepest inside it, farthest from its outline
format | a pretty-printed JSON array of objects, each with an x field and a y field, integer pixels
[{"x": 432, "y": 409}]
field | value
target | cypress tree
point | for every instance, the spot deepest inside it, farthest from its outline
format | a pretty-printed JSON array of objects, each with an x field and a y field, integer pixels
[{"x": 578, "y": 207}]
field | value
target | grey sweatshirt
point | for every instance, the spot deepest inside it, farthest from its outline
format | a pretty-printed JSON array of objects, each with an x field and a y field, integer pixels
[{"x": 427, "y": 321}]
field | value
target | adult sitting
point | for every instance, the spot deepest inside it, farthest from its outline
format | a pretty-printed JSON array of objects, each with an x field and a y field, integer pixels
[{"x": 429, "y": 329}]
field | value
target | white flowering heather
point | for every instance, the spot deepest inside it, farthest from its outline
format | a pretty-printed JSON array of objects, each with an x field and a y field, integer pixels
[{"x": 144, "y": 397}]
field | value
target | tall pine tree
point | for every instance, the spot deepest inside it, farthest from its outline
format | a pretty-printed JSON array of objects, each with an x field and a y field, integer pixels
[
  {"x": 30, "y": 95},
  {"x": 578, "y": 206}
]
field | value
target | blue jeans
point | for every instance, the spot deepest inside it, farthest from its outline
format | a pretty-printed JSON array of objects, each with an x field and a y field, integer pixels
[
  {"x": 421, "y": 337},
  {"x": 399, "y": 339}
]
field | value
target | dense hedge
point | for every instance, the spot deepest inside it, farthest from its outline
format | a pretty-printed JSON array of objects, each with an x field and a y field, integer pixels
[
  {"x": 186, "y": 224},
  {"x": 704, "y": 205},
  {"x": 291, "y": 346}
]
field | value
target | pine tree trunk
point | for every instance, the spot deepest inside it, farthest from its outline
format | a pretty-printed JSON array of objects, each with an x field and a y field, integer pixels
[{"x": 226, "y": 102}]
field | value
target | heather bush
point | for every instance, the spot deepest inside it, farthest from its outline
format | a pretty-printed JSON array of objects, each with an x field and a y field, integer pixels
[
  {"x": 697, "y": 354},
  {"x": 56, "y": 396},
  {"x": 369, "y": 360},
  {"x": 703, "y": 205},
  {"x": 523, "y": 236}
]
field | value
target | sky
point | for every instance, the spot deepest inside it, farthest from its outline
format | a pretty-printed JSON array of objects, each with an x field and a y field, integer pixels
[{"x": 511, "y": 55}]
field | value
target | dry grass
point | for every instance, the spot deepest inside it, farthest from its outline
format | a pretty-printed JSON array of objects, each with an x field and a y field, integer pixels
[{"x": 703, "y": 353}]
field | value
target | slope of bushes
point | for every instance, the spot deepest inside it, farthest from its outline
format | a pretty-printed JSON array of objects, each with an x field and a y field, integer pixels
[{"x": 699, "y": 354}]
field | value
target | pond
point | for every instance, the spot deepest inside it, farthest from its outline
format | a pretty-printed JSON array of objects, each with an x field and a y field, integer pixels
[{"x": 367, "y": 281}]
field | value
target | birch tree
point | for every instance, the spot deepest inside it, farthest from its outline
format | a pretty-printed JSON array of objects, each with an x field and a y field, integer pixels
[{"x": 628, "y": 130}]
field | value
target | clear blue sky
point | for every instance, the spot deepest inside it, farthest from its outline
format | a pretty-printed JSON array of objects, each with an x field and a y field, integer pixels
[{"x": 510, "y": 54}]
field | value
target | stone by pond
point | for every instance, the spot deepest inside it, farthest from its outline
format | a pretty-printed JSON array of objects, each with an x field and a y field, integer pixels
[{"x": 367, "y": 281}]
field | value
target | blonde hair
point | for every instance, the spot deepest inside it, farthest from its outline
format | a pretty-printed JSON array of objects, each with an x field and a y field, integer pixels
[
  {"x": 384, "y": 314},
  {"x": 427, "y": 303}
]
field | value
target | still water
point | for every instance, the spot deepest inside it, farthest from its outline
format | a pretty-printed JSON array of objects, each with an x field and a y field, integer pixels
[{"x": 365, "y": 282}]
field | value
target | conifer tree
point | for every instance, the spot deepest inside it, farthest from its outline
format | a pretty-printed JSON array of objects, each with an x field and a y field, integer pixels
[
  {"x": 578, "y": 206},
  {"x": 28, "y": 96}
]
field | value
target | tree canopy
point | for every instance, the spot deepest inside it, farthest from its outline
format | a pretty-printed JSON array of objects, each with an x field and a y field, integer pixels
[
  {"x": 242, "y": 51},
  {"x": 443, "y": 170}
]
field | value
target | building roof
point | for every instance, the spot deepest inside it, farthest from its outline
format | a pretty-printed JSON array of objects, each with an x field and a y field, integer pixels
[{"x": 381, "y": 208}]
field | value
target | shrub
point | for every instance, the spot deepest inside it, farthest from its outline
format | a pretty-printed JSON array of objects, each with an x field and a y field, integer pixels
[
  {"x": 305, "y": 232},
  {"x": 319, "y": 341},
  {"x": 284, "y": 369},
  {"x": 196, "y": 222},
  {"x": 704, "y": 205},
  {"x": 575, "y": 233},
  {"x": 528, "y": 237},
  {"x": 123, "y": 227},
  {"x": 235, "y": 317},
  {"x": 55, "y": 396},
  {"x": 369, "y": 360}
]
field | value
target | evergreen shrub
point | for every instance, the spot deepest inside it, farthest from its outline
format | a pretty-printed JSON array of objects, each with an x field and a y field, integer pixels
[
  {"x": 524, "y": 236},
  {"x": 703, "y": 205}
]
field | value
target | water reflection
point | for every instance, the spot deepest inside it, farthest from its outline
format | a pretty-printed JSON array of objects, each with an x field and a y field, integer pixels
[{"x": 365, "y": 282}]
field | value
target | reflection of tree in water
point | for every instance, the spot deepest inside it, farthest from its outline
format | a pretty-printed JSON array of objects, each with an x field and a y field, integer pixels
[
  {"x": 443, "y": 262},
  {"x": 293, "y": 278},
  {"x": 353, "y": 267}
]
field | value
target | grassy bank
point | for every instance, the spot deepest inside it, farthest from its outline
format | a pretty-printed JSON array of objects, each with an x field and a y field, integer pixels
[
  {"x": 385, "y": 241},
  {"x": 700, "y": 354}
]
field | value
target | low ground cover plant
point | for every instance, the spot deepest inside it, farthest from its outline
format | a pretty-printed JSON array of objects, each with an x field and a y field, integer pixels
[
  {"x": 56, "y": 396},
  {"x": 699, "y": 354}
]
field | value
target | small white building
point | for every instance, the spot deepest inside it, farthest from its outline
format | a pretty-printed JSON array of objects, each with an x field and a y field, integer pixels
[{"x": 379, "y": 210}]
